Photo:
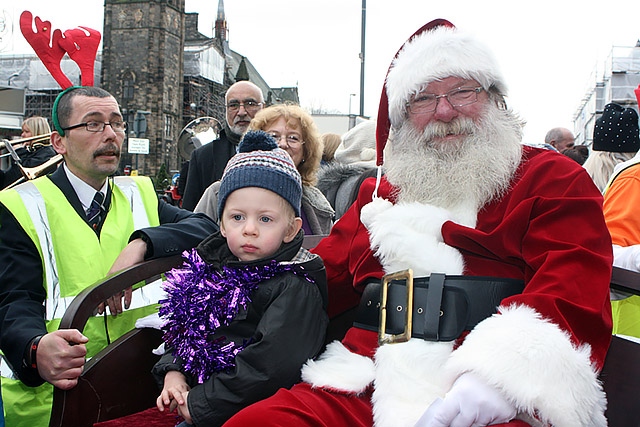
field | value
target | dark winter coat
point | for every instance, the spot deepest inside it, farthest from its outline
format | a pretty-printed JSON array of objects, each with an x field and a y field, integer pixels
[{"x": 286, "y": 322}]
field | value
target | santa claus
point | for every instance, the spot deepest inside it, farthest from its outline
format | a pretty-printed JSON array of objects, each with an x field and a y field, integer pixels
[{"x": 461, "y": 200}]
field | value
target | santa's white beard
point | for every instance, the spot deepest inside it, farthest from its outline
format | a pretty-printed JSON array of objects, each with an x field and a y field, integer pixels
[{"x": 461, "y": 175}]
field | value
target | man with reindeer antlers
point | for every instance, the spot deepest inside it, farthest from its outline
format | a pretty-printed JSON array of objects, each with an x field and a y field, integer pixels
[
  {"x": 63, "y": 232},
  {"x": 511, "y": 319}
]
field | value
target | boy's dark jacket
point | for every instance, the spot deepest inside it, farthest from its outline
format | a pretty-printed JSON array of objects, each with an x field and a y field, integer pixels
[{"x": 286, "y": 321}]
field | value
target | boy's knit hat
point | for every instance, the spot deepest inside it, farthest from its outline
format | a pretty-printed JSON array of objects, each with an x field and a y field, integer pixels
[{"x": 260, "y": 163}]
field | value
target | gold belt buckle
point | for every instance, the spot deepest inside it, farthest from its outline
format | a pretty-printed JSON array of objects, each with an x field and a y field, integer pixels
[{"x": 383, "y": 338}]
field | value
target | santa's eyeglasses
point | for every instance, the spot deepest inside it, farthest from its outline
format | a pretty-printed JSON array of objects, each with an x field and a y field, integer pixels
[{"x": 458, "y": 97}]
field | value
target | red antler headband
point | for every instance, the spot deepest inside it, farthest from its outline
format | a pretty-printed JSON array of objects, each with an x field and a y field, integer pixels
[{"x": 81, "y": 44}]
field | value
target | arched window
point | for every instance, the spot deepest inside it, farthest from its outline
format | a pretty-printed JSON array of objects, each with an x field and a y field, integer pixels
[{"x": 128, "y": 81}]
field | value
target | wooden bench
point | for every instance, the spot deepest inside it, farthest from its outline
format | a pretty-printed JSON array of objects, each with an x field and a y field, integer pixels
[
  {"x": 620, "y": 375},
  {"x": 118, "y": 381}
]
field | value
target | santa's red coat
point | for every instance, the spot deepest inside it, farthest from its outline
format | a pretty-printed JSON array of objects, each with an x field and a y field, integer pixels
[{"x": 549, "y": 231}]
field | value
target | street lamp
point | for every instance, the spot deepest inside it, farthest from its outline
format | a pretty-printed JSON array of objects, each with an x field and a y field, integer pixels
[
  {"x": 352, "y": 119},
  {"x": 11, "y": 77},
  {"x": 351, "y": 95}
]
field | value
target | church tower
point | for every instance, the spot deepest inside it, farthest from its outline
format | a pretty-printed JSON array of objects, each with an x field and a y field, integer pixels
[
  {"x": 142, "y": 66},
  {"x": 221, "y": 32}
]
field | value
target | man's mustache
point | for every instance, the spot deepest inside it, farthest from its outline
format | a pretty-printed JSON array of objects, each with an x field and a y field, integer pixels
[
  {"x": 460, "y": 126},
  {"x": 109, "y": 150}
]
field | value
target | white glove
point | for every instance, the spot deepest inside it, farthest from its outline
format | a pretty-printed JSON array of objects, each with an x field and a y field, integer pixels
[
  {"x": 627, "y": 257},
  {"x": 469, "y": 403}
]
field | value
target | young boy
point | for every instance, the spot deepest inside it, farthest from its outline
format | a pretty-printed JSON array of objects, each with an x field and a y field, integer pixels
[{"x": 248, "y": 308}]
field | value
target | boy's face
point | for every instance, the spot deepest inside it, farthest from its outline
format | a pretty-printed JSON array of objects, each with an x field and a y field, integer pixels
[{"x": 256, "y": 222}]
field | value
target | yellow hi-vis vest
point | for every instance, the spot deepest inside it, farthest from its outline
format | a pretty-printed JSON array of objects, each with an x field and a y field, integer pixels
[
  {"x": 625, "y": 312},
  {"x": 73, "y": 258}
]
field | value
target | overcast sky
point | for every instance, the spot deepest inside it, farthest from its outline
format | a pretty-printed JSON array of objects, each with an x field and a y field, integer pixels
[{"x": 549, "y": 50}]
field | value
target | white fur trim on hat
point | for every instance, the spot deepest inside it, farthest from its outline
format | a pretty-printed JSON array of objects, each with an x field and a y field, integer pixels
[
  {"x": 434, "y": 55},
  {"x": 561, "y": 388}
]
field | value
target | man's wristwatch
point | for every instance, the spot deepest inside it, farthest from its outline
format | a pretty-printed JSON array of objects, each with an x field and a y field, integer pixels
[{"x": 30, "y": 356}]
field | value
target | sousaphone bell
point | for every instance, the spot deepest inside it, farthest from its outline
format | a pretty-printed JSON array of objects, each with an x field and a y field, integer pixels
[{"x": 197, "y": 133}]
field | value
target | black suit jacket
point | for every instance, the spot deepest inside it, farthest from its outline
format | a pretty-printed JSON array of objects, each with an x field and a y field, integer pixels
[
  {"x": 22, "y": 293},
  {"x": 206, "y": 166}
]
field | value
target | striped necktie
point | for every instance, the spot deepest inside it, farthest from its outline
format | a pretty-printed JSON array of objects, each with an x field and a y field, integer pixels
[{"x": 94, "y": 214}]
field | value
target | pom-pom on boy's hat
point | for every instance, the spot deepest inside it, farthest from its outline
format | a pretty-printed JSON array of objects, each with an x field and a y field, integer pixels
[
  {"x": 260, "y": 163},
  {"x": 617, "y": 130},
  {"x": 436, "y": 51}
]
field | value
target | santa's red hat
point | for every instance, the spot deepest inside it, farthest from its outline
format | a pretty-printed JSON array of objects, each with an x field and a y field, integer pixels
[{"x": 436, "y": 51}]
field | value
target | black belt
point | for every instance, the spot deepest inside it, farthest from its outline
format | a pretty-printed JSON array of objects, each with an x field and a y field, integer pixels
[{"x": 443, "y": 306}]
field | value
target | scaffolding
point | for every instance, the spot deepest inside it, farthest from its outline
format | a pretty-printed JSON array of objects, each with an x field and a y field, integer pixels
[
  {"x": 202, "y": 98},
  {"x": 614, "y": 80},
  {"x": 40, "y": 102}
]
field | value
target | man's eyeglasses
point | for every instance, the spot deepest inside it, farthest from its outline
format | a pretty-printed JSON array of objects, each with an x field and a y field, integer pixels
[
  {"x": 99, "y": 126},
  {"x": 249, "y": 105},
  {"x": 292, "y": 140},
  {"x": 428, "y": 102}
]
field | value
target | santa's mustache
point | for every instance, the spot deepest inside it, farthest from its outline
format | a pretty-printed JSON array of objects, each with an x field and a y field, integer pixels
[
  {"x": 109, "y": 150},
  {"x": 459, "y": 126}
]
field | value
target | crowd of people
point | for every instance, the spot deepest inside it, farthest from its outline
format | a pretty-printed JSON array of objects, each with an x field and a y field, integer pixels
[{"x": 436, "y": 207}]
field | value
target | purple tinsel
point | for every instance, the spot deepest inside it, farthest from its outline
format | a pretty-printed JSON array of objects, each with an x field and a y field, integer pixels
[{"x": 200, "y": 300}]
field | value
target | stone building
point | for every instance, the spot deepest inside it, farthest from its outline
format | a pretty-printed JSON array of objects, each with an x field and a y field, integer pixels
[
  {"x": 142, "y": 67},
  {"x": 162, "y": 70}
]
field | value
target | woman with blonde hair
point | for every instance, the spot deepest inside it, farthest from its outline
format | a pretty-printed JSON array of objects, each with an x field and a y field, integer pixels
[
  {"x": 615, "y": 140},
  {"x": 600, "y": 165},
  {"x": 295, "y": 132},
  {"x": 331, "y": 142},
  {"x": 34, "y": 126}
]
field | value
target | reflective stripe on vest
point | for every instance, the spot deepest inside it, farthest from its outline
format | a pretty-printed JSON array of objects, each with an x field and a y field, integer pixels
[
  {"x": 34, "y": 203},
  {"x": 55, "y": 305},
  {"x": 129, "y": 187}
]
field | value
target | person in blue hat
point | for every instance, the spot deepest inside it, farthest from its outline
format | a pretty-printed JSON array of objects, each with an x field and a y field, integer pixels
[{"x": 248, "y": 307}]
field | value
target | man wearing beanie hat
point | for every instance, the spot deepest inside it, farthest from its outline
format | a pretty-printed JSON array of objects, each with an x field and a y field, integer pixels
[
  {"x": 510, "y": 319},
  {"x": 256, "y": 269},
  {"x": 618, "y": 126}
]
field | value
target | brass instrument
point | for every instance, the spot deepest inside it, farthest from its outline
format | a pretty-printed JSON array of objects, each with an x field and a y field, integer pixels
[
  {"x": 34, "y": 172},
  {"x": 36, "y": 142},
  {"x": 197, "y": 133}
]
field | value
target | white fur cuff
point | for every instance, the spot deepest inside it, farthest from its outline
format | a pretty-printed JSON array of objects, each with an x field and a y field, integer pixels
[
  {"x": 536, "y": 366},
  {"x": 339, "y": 369}
]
